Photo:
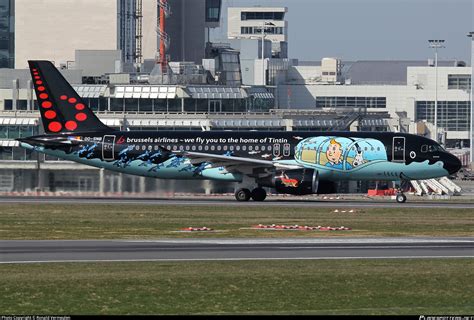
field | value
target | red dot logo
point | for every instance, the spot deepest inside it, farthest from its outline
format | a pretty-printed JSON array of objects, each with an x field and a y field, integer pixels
[
  {"x": 72, "y": 100},
  {"x": 63, "y": 97},
  {"x": 80, "y": 106},
  {"x": 37, "y": 78},
  {"x": 55, "y": 126},
  {"x": 46, "y": 104},
  {"x": 41, "y": 88},
  {"x": 43, "y": 96},
  {"x": 81, "y": 116},
  {"x": 39, "y": 82},
  {"x": 71, "y": 125},
  {"x": 50, "y": 114}
]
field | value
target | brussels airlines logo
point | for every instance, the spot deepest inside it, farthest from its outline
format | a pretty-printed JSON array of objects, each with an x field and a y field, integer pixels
[{"x": 121, "y": 140}]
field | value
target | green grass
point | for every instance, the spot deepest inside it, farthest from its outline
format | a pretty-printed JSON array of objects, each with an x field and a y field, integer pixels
[
  {"x": 44, "y": 221},
  {"x": 250, "y": 287}
]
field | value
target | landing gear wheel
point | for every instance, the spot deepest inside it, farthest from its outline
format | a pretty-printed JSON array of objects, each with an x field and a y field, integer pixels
[
  {"x": 401, "y": 198},
  {"x": 258, "y": 194},
  {"x": 242, "y": 195}
]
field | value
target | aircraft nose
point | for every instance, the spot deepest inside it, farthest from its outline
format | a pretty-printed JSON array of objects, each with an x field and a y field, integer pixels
[{"x": 452, "y": 164}]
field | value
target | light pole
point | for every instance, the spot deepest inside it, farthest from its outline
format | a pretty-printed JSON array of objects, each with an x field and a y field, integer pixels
[
  {"x": 471, "y": 137},
  {"x": 436, "y": 44},
  {"x": 264, "y": 23}
]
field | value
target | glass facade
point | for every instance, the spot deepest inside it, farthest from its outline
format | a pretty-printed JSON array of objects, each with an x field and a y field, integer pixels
[
  {"x": 452, "y": 115},
  {"x": 213, "y": 10},
  {"x": 127, "y": 29},
  {"x": 459, "y": 81},
  {"x": 7, "y": 39},
  {"x": 351, "y": 102},
  {"x": 15, "y": 132}
]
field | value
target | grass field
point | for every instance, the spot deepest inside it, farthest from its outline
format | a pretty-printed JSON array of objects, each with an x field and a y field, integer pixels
[
  {"x": 251, "y": 287},
  {"x": 44, "y": 221}
]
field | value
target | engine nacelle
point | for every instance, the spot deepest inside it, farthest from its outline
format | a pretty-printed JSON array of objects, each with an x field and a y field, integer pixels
[{"x": 298, "y": 182}]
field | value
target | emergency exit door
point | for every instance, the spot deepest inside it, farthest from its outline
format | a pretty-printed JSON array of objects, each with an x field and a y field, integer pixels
[
  {"x": 108, "y": 146},
  {"x": 398, "y": 152}
]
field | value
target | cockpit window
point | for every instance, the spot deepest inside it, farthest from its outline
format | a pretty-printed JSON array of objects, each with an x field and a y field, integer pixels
[
  {"x": 434, "y": 148},
  {"x": 431, "y": 148}
]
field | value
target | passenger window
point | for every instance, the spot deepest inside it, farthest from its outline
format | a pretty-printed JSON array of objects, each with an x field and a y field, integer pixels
[
  {"x": 286, "y": 149},
  {"x": 276, "y": 150}
]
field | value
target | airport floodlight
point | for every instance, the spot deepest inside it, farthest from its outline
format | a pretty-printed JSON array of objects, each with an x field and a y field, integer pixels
[
  {"x": 471, "y": 136},
  {"x": 265, "y": 23},
  {"x": 436, "y": 44}
]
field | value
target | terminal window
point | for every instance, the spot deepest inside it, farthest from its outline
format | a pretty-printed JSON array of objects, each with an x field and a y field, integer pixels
[
  {"x": 262, "y": 15},
  {"x": 452, "y": 115},
  {"x": 459, "y": 81},
  {"x": 351, "y": 102}
]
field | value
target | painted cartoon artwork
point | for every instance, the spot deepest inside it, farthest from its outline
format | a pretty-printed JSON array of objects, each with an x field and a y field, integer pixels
[
  {"x": 334, "y": 155},
  {"x": 340, "y": 153},
  {"x": 288, "y": 182}
]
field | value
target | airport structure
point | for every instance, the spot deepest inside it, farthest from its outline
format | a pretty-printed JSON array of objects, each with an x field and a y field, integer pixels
[{"x": 207, "y": 86}]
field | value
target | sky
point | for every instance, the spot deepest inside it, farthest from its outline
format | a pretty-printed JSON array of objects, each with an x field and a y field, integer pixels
[{"x": 373, "y": 29}]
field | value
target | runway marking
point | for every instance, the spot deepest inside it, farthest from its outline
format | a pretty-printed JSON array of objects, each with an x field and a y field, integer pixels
[{"x": 236, "y": 259}]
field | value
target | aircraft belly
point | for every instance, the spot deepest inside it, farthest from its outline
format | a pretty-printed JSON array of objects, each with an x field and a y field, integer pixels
[{"x": 384, "y": 170}]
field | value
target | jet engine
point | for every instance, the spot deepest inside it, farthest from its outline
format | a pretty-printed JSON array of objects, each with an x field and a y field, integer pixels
[{"x": 298, "y": 182}]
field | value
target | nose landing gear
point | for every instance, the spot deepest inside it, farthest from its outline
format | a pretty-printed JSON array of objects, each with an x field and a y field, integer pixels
[
  {"x": 257, "y": 194},
  {"x": 401, "y": 197}
]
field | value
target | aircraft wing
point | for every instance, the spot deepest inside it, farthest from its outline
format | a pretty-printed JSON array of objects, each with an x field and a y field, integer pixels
[{"x": 234, "y": 164}]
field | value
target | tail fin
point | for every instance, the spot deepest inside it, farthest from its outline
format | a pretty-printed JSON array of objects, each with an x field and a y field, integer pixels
[{"x": 61, "y": 108}]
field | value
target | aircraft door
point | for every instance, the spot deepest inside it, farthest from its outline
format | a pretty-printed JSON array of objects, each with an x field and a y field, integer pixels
[
  {"x": 398, "y": 152},
  {"x": 108, "y": 148}
]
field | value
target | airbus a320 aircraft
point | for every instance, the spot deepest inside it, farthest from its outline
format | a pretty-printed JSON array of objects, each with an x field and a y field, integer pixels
[{"x": 297, "y": 163}]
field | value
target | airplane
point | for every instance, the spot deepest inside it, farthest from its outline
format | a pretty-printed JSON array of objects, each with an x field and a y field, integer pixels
[{"x": 296, "y": 163}]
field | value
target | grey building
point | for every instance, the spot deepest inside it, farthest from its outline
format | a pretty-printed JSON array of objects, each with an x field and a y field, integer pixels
[{"x": 188, "y": 28}]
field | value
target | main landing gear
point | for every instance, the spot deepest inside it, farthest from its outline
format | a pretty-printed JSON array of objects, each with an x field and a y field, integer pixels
[{"x": 257, "y": 194}]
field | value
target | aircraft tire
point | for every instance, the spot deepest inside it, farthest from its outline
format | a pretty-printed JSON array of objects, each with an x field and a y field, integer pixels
[
  {"x": 401, "y": 198},
  {"x": 259, "y": 194},
  {"x": 242, "y": 195}
]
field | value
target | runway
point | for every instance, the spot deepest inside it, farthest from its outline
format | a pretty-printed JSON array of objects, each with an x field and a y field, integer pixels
[
  {"x": 230, "y": 201},
  {"x": 234, "y": 250}
]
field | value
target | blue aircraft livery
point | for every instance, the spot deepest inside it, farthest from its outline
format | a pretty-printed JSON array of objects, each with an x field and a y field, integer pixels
[{"x": 295, "y": 163}]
